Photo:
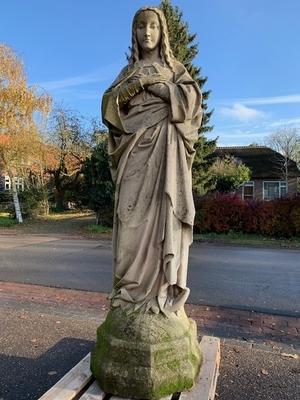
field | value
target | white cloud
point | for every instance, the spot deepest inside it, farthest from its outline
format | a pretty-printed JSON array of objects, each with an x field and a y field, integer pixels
[
  {"x": 284, "y": 122},
  {"x": 107, "y": 72},
  {"x": 294, "y": 98},
  {"x": 287, "y": 99},
  {"x": 242, "y": 113},
  {"x": 240, "y": 137},
  {"x": 68, "y": 82}
]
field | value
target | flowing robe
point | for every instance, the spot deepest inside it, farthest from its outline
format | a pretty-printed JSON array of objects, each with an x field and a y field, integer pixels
[{"x": 151, "y": 150}]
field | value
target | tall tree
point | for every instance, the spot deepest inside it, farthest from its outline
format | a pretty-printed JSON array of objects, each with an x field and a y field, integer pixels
[
  {"x": 19, "y": 103},
  {"x": 286, "y": 142},
  {"x": 97, "y": 191},
  {"x": 69, "y": 146},
  {"x": 229, "y": 174},
  {"x": 185, "y": 49}
]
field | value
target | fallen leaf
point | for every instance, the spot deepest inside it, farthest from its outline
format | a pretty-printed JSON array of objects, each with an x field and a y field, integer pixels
[
  {"x": 290, "y": 355},
  {"x": 264, "y": 371},
  {"x": 52, "y": 373}
]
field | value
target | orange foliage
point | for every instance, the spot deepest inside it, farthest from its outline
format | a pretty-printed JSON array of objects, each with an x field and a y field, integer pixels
[
  {"x": 19, "y": 137},
  {"x": 5, "y": 140}
]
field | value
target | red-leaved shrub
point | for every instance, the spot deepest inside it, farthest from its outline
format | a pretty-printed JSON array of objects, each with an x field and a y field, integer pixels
[
  {"x": 295, "y": 215},
  {"x": 221, "y": 213}
]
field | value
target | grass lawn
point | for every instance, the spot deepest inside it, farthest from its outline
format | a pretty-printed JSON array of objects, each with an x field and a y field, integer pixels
[
  {"x": 248, "y": 239},
  {"x": 93, "y": 228},
  {"x": 6, "y": 221},
  {"x": 72, "y": 223},
  {"x": 75, "y": 223}
]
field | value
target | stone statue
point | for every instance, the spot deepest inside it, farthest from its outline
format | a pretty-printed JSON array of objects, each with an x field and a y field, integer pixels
[{"x": 153, "y": 113}]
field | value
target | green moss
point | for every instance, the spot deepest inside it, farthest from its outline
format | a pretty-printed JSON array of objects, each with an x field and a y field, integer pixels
[
  {"x": 173, "y": 365},
  {"x": 172, "y": 387},
  {"x": 145, "y": 355}
]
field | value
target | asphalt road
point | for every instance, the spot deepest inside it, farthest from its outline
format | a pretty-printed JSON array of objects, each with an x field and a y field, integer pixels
[
  {"x": 258, "y": 279},
  {"x": 52, "y": 340}
]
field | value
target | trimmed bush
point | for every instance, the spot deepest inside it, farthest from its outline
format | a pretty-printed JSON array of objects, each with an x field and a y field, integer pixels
[{"x": 221, "y": 213}]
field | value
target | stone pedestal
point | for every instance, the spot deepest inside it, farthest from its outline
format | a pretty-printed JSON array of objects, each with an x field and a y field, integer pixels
[{"x": 146, "y": 356}]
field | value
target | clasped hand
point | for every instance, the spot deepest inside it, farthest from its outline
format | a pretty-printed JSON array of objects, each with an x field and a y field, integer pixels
[{"x": 132, "y": 86}]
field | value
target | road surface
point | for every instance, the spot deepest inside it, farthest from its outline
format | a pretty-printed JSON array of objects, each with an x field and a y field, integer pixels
[{"x": 266, "y": 280}]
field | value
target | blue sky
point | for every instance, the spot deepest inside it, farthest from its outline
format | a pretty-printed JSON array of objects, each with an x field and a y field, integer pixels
[{"x": 249, "y": 50}]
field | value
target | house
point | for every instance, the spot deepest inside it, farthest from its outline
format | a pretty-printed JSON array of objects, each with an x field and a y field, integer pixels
[
  {"x": 272, "y": 175},
  {"x": 5, "y": 183}
]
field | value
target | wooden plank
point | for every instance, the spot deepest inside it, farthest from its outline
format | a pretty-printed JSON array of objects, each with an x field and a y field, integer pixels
[
  {"x": 118, "y": 398},
  {"x": 121, "y": 398},
  {"x": 72, "y": 383},
  {"x": 94, "y": 392},
  {"x": 205, "y": 387}
]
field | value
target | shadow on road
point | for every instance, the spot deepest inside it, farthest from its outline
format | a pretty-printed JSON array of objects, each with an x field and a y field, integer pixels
[{"x": 28, "y": 378}]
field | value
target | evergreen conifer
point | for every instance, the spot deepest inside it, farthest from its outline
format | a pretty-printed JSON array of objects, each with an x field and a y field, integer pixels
[{"x": 185, "y": 49}]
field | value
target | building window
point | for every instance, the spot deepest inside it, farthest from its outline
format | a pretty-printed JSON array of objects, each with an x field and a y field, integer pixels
[
  {"x": 18, "y": 181},
  {"x": 248, "y": 190},
  {"x": 274, "y": 190},
  {"x": 19, "y": 184},
  {"x": 7, "y": 183}
]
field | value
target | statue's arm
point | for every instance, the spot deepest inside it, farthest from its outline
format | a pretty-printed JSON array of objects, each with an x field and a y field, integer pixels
[
  {"x": 160, "y": 90},
  {"x": 185, "y": 98},
  {"x": 182, "y": 94}
]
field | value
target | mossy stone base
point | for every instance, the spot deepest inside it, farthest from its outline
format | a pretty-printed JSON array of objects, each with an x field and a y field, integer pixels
[{"x": 146, "y": 356}]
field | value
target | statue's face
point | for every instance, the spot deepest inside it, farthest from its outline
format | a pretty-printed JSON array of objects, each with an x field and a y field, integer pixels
[{"x": 148, "y": 30}]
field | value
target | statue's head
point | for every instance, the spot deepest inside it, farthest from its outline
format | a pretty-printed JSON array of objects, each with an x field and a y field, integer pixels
[{"x": 157, "y": 36}]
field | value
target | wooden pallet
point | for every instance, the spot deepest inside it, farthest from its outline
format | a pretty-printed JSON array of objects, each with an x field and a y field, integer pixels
[{"x": 79, "y": 384}]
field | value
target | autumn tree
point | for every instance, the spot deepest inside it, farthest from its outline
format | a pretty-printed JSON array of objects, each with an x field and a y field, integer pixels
[
  {"x": 69, "y": 144},
  {"x": 185, "y": 49},
  {"x": 35, "y": 196},
  {"x": 228, "y": 174},
  {"x": 19, "y": 104}
]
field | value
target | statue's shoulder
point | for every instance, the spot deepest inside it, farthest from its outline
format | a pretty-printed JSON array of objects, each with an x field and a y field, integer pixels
[
  {"x": 180, "y": 71},
  {"x": 178, "y": 66},
  {"x": 122, "y": 75}
]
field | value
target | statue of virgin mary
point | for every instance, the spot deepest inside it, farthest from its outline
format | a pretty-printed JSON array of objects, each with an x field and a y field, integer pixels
[
  {"x": 147, "y": 348},
  {"x": 153, "y": 113}
]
